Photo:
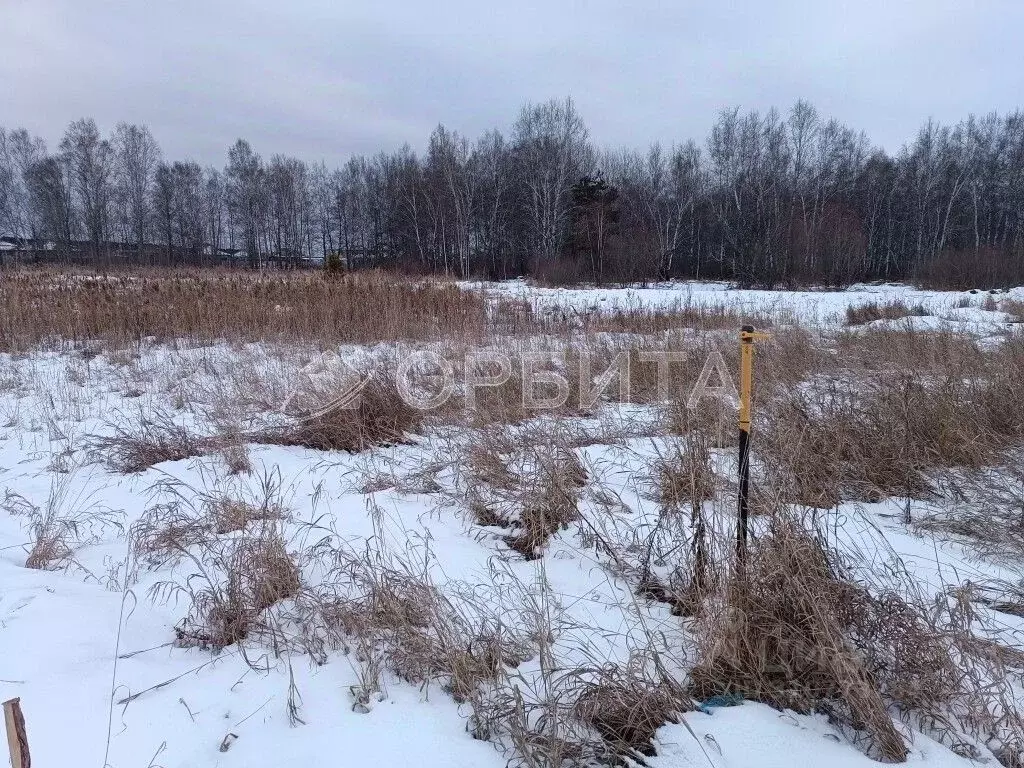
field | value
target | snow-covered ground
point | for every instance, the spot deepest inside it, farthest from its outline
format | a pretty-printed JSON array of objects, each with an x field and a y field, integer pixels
[
  {"x": 89, "y": 647},
  {"x": 815, "y": 307}
]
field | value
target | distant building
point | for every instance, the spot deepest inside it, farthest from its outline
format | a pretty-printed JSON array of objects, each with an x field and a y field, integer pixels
[
  {"x": 25, "y": 244},
  {"x": 24, "y": 250},
  {"x": 18, "y": 250}
]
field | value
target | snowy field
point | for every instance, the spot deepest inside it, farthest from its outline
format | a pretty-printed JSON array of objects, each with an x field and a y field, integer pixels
[
  {"x": 88, "y": 638},
  {"x": 818, "y": 307}
]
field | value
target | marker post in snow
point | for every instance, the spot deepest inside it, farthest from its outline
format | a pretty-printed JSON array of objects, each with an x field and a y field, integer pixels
[
  {"x": 747, "y": 338},
  {"x": 17, "y": 739}
]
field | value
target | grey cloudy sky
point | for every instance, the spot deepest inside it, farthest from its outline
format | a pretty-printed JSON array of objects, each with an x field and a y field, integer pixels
[{"x": 325, "y": 79}]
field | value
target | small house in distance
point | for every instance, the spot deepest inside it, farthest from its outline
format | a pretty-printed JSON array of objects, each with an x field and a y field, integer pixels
[{"x": 22, "y": 250}]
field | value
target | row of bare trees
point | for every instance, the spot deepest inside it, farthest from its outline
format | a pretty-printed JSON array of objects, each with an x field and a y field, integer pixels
[{"x": 767, "y": 199}]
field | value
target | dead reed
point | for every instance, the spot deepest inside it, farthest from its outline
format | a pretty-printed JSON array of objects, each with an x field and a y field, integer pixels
[
  {"x": 627, "y": 704},
  {"x": 51, "y": 305},
  {"x": 245, "y": 578},
  {"x": 787, "y": 633},
  {"x": 377, "y": 415},
  {"x": 63, "y": 523},
  {"x": 150, "y": 439},
  {"x": 211, "y": 305},
  {"x": 891, "y": 412},
  {"x": 874, "y": 310}
]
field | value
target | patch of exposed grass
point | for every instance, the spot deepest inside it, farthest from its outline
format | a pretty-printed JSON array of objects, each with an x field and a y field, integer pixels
[
  {"x": 153, "y": 439},
  {"x": 891, "y": 310},
  {"x": 378, "y": 415}
]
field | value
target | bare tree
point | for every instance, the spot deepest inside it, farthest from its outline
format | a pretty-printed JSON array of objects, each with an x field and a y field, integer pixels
[
  {"x": 322, "y": 211},
  {"x": 50, "y": 194},
  {"x": 89, "y": 160},
  {"x": 768, "y": 200},
  {"x": 136, "y": 155},
  {"x": 188, "y": 214},
  {"x": 290, "y": 206},
  {"x": 164, "y": 207},
  {"x": 453, "y": 182},
  {"x": 492, "y": 165},
  {"x": 246, "y": 199},
  {"x": 552, "y": 153},
  {"x": 671, "y": 184},
  {"x": 19, "y": 153},
  {"x": 214, "y": 209}
]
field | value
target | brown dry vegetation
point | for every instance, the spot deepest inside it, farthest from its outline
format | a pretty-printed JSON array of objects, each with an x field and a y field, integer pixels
[
  {"x": 230, "y": 514},
  {"x": 150, "y": 439},
  {"x": 800, "y": 629},
  {"x": 377, "y": 416},
  {"x": 252, "y": 574},
  {"x": 627, "y": 704},
  {"x": 549, "y": 501},
  {"x": 209, "y": 305},
  {"x": 873, "y": 310},
  {"x": 50, "y": 305},
  {"x": 233, "y": 581},
  {"x": 381, "y": 605},
  {"x": 890, "y": 413},
  {"x": 684, "y": 474},
  {"x": 60, "y": 525},
  {"x": 532, "y": 490}
]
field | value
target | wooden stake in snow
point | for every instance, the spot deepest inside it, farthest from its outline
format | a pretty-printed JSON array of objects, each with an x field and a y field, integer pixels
[{"x": 17, "y": 739}]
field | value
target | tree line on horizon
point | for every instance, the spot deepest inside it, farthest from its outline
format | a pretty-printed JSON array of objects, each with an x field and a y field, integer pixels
[{"x": 767, "y": 199}]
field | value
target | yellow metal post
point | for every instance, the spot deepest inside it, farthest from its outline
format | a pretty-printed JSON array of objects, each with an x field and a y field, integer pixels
[{"x": 747, "y": 338}]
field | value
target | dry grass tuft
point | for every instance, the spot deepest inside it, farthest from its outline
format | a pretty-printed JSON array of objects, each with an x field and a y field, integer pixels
[
  {"x": 487, "y": 460},
  {"x": 236, "y": 457},
  {"x": 154, "y": 439},
  {"x": 1013, "y": 307},
  {"x": 523, "y": 479},
  {"x": 797, "y": 628},
  {"x": 921, "y": 404},
  {"x": 588, "y": 715},
  {"x": 492, "y": 480},
  {"x": 549, "y": 502},
  {"x": 715, "y": 418},
  {"x": 684, "y": 478},
  {"x": 787, "y": 632},
  {"x": 988, "y": 513},
  {"x": 378, "y": 416},
  {"x": 386, "y": 607},
  {"x": 892, "y": 310},
  {"x": 230, "y": 514},
  {"x": 627, "y": 705},
  {"x": 247, "y": 577},
  {"x": 51, "y": 549},
  {"x": 495, "y": 404},
  {"x": 424, "y": 635},
  {"x": 165, "y": 532},
  {"x": 191, "y": 519},
  {"x": 61, "y": 525},
  {"x": 684, "y": 475}
]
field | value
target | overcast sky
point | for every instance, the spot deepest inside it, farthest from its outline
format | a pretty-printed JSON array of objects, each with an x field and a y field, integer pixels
[{"x": 325, "y": 79}]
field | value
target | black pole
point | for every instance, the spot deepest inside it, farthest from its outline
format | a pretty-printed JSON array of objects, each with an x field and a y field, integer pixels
[
  {"x": 744, "y": 507},
  {"x": 747, "y": 337}
]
